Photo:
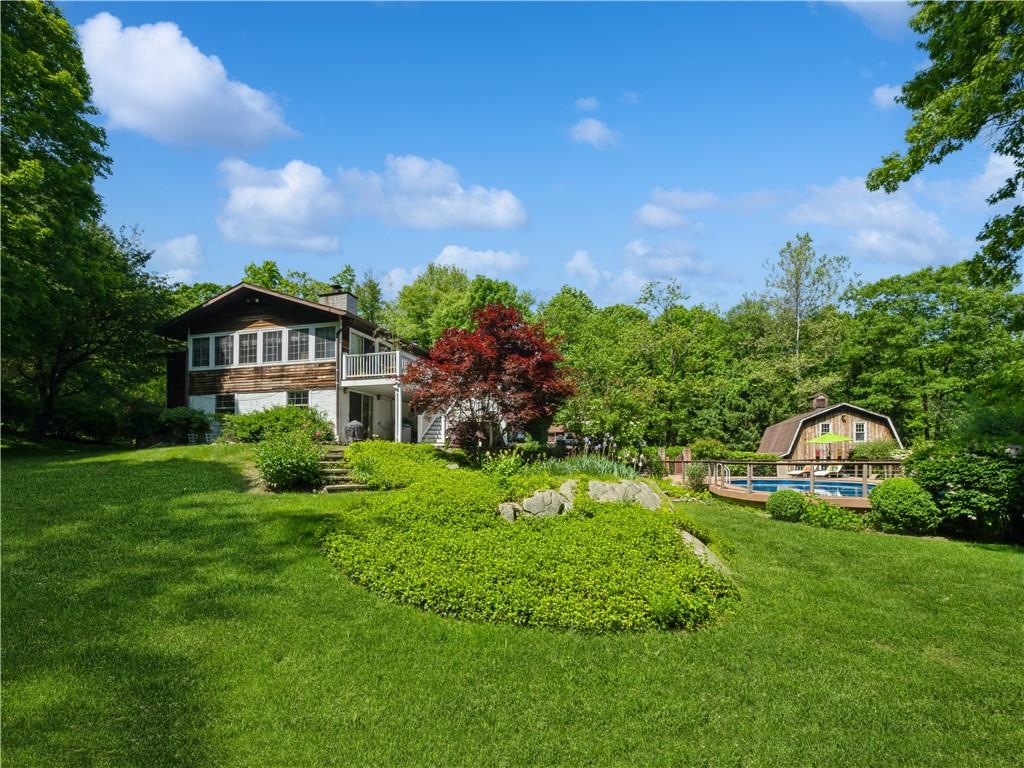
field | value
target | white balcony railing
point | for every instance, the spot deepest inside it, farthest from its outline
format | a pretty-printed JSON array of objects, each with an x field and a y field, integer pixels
[{"x": 375, "y": 365}]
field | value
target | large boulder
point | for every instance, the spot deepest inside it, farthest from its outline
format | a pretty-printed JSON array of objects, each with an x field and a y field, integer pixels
[
  {"x": 568, "y": 490},
  {"x": 545, "y": 504},
  {"x": 624, "y": 491},
  {"x": 510, "y": 510}
]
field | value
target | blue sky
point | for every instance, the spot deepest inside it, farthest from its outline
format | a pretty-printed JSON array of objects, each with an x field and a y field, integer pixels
[{"x": 595, "y": 145}]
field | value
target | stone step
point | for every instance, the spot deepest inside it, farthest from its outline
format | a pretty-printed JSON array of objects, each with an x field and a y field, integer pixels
[{"x": 344, "y": 487}]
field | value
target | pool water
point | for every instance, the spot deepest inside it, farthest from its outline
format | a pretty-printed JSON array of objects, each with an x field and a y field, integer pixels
[{"x": 822, "y": 487}]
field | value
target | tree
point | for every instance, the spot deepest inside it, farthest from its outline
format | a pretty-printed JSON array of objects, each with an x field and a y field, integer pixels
[
  {"x": 345, "y": 279},
  {"x": 492, "y": 381},
  {"x": 973, "y": 86},
  {"x": 371, "y": 298},
  {"x": 417, "y": 311},
  {"x": 801, "y": 283},
  {"x": 926, "y": 341}
]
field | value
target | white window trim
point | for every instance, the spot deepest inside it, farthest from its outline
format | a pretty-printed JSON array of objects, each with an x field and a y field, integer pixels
[
  {"x": 857, "y": 424},
  {"x": 370, "y": 339},
  {"x": 310, "y": 358},
  {"x": 824, "y": 428}
]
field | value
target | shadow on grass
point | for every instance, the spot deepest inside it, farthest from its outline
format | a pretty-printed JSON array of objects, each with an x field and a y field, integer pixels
[{"x": 106, "y": 564}]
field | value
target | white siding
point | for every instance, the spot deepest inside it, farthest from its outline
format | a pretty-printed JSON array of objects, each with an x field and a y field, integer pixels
[
  {"x": 325, "y": 401},
  {"x": 249, "y": 402},
  {"x": 205, "y": 403}
]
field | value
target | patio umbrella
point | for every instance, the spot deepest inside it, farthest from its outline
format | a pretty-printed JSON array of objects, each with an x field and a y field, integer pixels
[{"x": 828, "y": 439}]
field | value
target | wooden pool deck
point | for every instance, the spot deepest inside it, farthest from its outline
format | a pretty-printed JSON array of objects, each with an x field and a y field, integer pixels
[{"x": 758, "y": 498}]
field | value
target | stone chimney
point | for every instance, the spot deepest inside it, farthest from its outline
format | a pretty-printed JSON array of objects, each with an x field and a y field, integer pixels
[
  {"x": 341, "y": 299},
  {"x": 818, "y": 402}
]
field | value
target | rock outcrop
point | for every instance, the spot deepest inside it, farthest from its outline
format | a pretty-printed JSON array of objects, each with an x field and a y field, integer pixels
[
  {"x": 550, "y": 503},
  {"x": 624, "y": 490}
]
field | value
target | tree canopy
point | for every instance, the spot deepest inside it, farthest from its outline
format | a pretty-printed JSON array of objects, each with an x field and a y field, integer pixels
[{"x": 973, "y": 87}]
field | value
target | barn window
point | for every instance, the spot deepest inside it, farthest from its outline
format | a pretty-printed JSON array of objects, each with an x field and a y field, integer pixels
[
  {"x": 247, "y": 347},
  {"x": 824, "y": 429},
  {"x": 860, "y": 431}
]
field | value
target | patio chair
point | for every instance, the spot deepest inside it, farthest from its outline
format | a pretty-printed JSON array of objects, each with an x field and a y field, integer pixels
[
  {"x": 833, "y": 470},
  {"x": 805, "y": 472}
]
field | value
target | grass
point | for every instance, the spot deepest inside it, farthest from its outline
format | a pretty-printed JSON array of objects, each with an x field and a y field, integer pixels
[{"x": 154, "y": 613}]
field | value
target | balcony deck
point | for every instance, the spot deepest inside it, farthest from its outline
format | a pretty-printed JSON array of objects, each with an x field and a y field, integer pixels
[{"x": 375, "y": 366}]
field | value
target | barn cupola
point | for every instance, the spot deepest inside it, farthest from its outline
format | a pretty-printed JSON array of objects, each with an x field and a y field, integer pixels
[{"x": 819, "y": 401}]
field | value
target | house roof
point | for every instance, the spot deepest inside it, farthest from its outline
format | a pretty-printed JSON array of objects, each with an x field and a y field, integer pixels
[
  {"x": 178, "y": 328},
  {"x": 780, "y": 438}
]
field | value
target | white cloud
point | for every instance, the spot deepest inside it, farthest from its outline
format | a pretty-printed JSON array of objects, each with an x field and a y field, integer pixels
[
  {"x": 426, "y": 194},
  {"x": 890, "y": 227},
  {"x": 289, "y": 207},
  {"x": 153, "y": 80},
  {"x": 972, "y": 192},
  {"x": 593, "y": 132},
  {"x": 583, "y": 267},
  {"x": 587, "y": 103},
  {"x": 663, "y": 211},
  {"x": 883, "y": 96},
  {"x": 489, "y": 263},
  {"x": 659, "y": 217},
  {"x": 177, "y": 258},
  {"x": 396, "y": 278},
  {"x": 662, "y": 260},
  {"x": 886, "y": 19}
]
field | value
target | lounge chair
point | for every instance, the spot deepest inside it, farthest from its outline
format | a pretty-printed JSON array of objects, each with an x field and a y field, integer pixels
[
  {"x": 805, "y": 472},
  {"x": 833, "y": 470}
]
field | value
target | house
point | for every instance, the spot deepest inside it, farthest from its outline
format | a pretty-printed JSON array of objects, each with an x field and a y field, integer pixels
[
  {"x": 251, "y": 348},
  {"x": 788, "y": 439}
]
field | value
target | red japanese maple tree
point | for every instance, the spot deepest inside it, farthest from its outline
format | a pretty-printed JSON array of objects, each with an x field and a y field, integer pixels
[{"x": 491, "y": 381}]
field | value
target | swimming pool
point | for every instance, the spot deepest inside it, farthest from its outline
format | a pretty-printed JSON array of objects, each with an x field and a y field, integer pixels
[{"x": 822, "y": 487}]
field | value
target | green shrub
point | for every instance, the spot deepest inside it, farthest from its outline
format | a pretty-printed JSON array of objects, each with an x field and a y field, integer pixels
[
  {"x": 706, "y": 448},
  {"x": 786, "y": 505},
  {"x": 980, "y": 496},
  {"x": 259, "y": 425},
  {"x": 899, "y": 505},
  {"x": 587, "y": 464},
  {"x": 382, "y": 464},
  {"x": 821, "y": 514},
  {"x": 179, "y": 423},
  {"x": 290, "y": 461},
  {"x": 502, "y": 466},
  {"x": 697, "y": 477},
  {"x": 438, "y": 544},
  {"x": 880, "y": 450}
]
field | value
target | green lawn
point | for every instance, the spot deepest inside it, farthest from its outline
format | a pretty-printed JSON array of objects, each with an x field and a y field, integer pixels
[{"x": 154, "y": 613}]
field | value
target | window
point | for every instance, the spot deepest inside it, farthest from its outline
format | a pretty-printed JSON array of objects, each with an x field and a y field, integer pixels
[
  {"x": 824, "y": 429},
  {"x": 224, "y": 404},
  {"x": 247, "y": 348},
  {"x": 300, "y": 398},
  {"x": 201, "y": 352},
  {"x": 324, "y": 346},
  {"x": 359, "y": 344},
  {"x": 271, "y": 346},
  {"x": 298, "y": 344},
  {"x": 860, "y": 431},
  {"x": 225, "y": 349},
  {"x": 360, "y": 408}
]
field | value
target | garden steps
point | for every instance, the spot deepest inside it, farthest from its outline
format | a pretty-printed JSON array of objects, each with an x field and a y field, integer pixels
[{"x": 338, "y": 473}]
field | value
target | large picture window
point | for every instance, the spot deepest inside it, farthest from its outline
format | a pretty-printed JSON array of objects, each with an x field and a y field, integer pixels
[
  {"x": 271, "y": 346},
  {"x": 201, "y": 352},
  {"x": 247, "y": 348},
  {"x": 298, "y": 344},
  {"x": 324, "y": 343},
  {"x": 224, "y": 349}
]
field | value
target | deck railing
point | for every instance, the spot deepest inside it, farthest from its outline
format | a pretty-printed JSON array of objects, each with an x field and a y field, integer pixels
[{"x": 375, "y": 365}]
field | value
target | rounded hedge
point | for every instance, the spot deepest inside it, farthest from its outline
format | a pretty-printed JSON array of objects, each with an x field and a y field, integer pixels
[
  {"x": 290, "y": 461},
  {"x": 899, "y": 505},
  {"x": 439, "y": 544},
  {"x": 786, "y": 505}
]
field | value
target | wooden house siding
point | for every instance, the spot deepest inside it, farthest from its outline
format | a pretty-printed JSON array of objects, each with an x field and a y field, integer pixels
[
  {"x": 841, "y": 423},
  {"x": 263, "y": 378},
  {"x": 240, "y": 319}
]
